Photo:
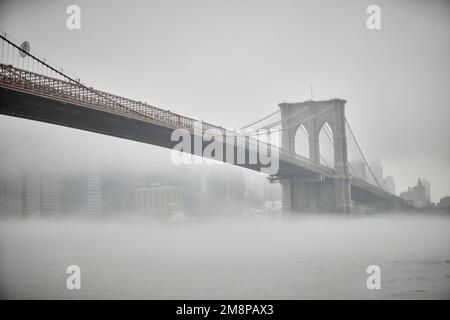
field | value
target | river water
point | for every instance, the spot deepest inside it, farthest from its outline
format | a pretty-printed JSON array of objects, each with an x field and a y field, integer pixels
[{"x": 253, "y": 258}]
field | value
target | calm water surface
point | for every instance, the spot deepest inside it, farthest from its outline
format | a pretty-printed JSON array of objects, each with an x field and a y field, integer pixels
[{"x": 249, "y": 259}]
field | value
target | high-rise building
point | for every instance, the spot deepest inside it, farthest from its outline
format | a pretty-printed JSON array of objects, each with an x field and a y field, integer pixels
[
  {"x": 117, "y": 191},
  {"x": 444, "y": 204},
  {"x": 12, "y": 194},
  {"x": 158, "y": 200},
  {"x": 377, "y": 169},
  {"x": 50, "y": 195},
  {"x": 427, "y": 186},
  {"x": 416, "y": 195},
  {"x": 358, "y": 168},
  {"x": 33, "y": 195},
  {"x": 82, "y": 194},
  {"x": 389, "y": 184},
  {"x": 225, "y": 190},
  {"x": 30, "y": 194}
]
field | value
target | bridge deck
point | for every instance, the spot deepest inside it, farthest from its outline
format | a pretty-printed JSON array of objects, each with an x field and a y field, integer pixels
[{"x": 154, "y": 125}]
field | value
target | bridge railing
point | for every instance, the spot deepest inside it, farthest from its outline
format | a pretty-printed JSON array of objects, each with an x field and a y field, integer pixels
[{"x": 74, "y": 92}]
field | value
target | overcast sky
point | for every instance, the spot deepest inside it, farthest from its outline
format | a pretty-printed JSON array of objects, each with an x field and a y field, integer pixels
[{"x": 231, "y": 62}]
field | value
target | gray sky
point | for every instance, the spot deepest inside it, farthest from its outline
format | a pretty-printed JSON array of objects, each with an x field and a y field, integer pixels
[{"x": 231, "y": 62}]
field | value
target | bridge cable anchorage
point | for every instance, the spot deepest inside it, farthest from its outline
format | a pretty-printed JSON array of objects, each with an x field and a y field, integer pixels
[{"x": 362, "y": 155}]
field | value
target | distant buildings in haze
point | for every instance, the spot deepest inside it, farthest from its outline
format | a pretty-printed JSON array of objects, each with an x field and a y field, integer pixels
[
  {"x": 359, "y": 169},
  {"x": 418, "y": 195},
  {"x": 159, "y": 201},
  {"x": 197, "y": 191}
]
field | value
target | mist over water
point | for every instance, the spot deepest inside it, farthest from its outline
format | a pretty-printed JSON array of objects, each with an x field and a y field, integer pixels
[{"x": 252, "y": 258}]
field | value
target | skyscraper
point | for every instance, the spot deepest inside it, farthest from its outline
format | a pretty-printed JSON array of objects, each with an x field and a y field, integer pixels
[
  {"x": 416, "y": 195},
  {"x": 427, "y": 186},
  {"x": 225, "y": 189},
  {"x": 389, "y": 184},
  {"x": 358, "y": 168},
  {"x": 158, "y": 200},
  {"x": 377, "y": 169},
  {"x": 30, "y": 194},
  {"x": 12, "y": 194},
  {"x": 81, "y": 194}
]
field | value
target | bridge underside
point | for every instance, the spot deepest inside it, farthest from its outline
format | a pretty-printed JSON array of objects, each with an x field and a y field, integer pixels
[
  {"x": 366, "y": 200},
  {"x": 310, "y": 195},
  {"x": 32, "y": 107}
]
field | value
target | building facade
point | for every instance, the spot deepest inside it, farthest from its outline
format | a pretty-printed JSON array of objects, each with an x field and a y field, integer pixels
[
  {"x": 416, "y": 195},
  {"x": 30, "y": 194},
  {"x": 82, "y": 194},
  {"x": 158, "y": 200}
]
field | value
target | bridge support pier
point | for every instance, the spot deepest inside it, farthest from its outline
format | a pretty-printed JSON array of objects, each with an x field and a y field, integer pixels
[
  {"x": 311, "y": 196},
  {"x": 342, "y": 195},
  {"x": 316, "y": 194},
  {"x": 286, "y": 196}
]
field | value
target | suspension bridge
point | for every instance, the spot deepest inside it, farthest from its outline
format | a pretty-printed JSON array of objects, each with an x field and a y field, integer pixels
[{"x": 32, "y": 88}]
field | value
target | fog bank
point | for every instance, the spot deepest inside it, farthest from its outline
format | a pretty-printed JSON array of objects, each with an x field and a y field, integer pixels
[{"x": 256, "y": 258}]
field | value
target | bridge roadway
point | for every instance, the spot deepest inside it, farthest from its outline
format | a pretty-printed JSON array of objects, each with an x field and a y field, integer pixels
[{"x": 33, "y": 96}]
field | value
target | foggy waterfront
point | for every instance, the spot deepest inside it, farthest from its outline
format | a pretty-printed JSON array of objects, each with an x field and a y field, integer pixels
[
  {"x": 252, "y": 258},
  {"x": 224, "y": 150}
]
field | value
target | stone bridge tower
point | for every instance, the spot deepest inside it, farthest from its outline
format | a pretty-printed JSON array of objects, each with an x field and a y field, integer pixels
[{"x": 312, "y": 194}]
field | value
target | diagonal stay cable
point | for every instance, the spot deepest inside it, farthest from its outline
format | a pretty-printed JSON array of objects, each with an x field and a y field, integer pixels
[
  {"x": 260, "y": 120},
  {"x": 276, "y": 123},
  {"x": 250, "y": 133},
  {"x": 362, "y": 155}
]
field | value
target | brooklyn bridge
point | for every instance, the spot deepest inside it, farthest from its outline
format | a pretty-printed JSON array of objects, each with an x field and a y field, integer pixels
[{"x": 31, "y": 88}]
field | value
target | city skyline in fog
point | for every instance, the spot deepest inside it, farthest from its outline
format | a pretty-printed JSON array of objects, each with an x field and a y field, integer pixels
[{"x": 230, "y": 63}]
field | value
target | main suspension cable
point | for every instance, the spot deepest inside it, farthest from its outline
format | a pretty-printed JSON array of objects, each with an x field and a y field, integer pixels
[{"x": 260, "y": 120}]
